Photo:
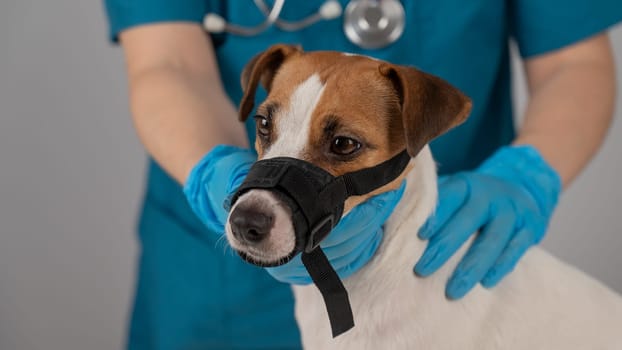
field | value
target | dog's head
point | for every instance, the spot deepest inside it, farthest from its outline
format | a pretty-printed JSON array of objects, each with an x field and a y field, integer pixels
[{"x": 340, "y": 112}]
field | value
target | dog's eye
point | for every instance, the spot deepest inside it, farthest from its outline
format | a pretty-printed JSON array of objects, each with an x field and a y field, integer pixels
[
  {"x": 264, "y": 126},
  {"x": 344, "y": 146}
]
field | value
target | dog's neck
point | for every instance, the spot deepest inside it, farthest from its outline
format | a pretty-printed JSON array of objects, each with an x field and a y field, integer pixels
[
  {"x": 416, "y": 205},
  {"x": 419, "y": 199}
]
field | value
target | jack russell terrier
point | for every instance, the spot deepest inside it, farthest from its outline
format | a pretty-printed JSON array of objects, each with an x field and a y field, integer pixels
[{"x": 327, "y": 108}]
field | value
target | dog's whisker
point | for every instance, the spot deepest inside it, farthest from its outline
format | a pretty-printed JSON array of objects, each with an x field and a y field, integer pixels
[{"x": 222, "y": 240}]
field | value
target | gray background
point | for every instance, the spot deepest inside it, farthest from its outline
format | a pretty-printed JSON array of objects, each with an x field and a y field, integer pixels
[{"x": 71, "y": 177}]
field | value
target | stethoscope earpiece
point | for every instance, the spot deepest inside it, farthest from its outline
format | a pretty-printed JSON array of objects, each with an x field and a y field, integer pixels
[
  {"x": 370, "y": 24},
  {"x": 214, "y": 23},
  {"x": 330, "y": 10}
]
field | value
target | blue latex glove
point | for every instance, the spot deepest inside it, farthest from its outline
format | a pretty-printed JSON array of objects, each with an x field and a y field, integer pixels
[
  {"x": 509, "y": 199},
  {"x": 351, "y": 243},
  {"x": 213, "y": 180}
]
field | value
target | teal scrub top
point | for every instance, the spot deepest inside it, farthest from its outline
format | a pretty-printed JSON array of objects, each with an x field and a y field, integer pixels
[{"x": 465, "y": 42}]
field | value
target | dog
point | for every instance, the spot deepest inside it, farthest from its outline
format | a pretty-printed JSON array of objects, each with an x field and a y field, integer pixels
[{"x": 345, "y": 112}]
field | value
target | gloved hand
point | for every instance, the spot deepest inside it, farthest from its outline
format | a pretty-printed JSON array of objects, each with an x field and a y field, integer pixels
[
  {"x": 509, "y": 199},
  {"x": 351, "y": 243},
  {"x": 213, "y": 180}
]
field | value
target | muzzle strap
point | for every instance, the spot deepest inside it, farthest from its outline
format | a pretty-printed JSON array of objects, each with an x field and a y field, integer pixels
[
  {"x": 332, "y": 289},
  {"x": 360, "y": 182}
]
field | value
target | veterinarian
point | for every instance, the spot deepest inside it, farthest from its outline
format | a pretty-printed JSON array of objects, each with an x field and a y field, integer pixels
[{"x": 184, "y": 89}]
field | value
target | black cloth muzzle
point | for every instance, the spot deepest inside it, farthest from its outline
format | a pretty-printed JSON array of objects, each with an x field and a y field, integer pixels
[{"x": 316, "y": 200}]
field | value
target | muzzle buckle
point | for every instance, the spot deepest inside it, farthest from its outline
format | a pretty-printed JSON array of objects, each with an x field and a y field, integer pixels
[{"x": 319, "y": 232}]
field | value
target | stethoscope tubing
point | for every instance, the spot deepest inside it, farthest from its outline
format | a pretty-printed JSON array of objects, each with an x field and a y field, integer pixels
[
  {"x": 271, "y": 19},
  {"x": 292, "y": 26}
]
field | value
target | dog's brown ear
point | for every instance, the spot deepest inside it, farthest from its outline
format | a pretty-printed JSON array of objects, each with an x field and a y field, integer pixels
[
  {"x": 262, "y": 68},
  {"x": 430, "y": 106}
]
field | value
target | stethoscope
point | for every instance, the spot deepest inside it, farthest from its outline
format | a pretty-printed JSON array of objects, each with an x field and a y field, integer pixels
[{"x": 370, "y": 24}]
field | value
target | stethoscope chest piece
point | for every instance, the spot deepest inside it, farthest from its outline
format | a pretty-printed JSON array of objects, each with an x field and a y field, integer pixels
[{"x": 373, "y": 24}]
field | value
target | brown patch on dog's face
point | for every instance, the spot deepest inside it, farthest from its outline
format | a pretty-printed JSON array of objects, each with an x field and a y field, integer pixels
[{"x": 360, "y": 105}]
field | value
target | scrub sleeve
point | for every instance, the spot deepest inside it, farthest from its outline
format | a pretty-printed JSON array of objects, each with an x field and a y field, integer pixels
[{"x": 192, "y": 291}]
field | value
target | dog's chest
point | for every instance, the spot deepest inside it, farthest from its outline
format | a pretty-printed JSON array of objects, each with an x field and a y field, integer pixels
[
  {"x": 388, "y": 312},
  {"x": 378, "y": 324},
  {"x": 383, "y": 303}
]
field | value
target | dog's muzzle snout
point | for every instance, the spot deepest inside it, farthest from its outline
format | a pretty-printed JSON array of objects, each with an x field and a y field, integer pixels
[{"x": 250, "y": 224}]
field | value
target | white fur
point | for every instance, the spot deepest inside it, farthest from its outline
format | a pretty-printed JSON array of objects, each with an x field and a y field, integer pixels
[
  {"x": 293, "y": 126},
  {"x": 350, "y": 54},
  {"x": 543, "y": 304}
]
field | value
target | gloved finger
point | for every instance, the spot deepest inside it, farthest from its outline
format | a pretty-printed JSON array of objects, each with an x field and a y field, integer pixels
[
  {"x": 347, "y": 246},
  {"x": 365, "y": 217},
  {"x": 293, "y": 272},
  {"x": 230, "y": 171},
  {"x": 517, "y": 247},
  {"x": 360, "y": 260},
  {"x": 209, "y": 185},
  {"x": 239, "y": 165},
  {"x": 300, "y": 280},
  {"x": 484, "y": 252},
  {"x": 452, "y": 235},
  {"x": 289, "y": 274},
  {"x": 359, "y": 220},
  {"x": 361, "y": 251},
  {"x": 344, "y": 258},
  {"x": 340, "y": 257},
  {"x": 453, "y": 192}
]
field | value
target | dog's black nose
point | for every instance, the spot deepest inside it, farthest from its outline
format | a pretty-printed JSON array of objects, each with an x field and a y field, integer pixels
[{"x": 250, "y": 224}]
